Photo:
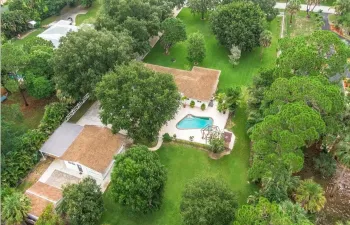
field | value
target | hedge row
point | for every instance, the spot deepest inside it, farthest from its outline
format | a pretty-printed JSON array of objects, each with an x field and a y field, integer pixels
[{"x": 18, "y": 162}]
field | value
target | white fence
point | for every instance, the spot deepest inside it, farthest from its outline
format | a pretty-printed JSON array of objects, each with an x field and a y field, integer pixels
[{"x": 77, "y": 107}]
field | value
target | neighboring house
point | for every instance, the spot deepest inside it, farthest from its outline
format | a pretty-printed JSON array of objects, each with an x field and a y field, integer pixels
[
  {"x": 199, "y": 84},
  {"x": 58, "y": 30},
  {"x": 79, "y": 151}
]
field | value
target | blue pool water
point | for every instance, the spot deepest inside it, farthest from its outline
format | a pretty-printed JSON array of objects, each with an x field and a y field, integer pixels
[{"x": 194, "y": 122}]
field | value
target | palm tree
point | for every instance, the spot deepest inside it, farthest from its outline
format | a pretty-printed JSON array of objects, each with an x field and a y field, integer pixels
[
  {"x": 293, "y": 7},
  {"x": 15, "y": 208},
  {"x": 310, "y": 195},
  {"x": 265, "y": 41}
]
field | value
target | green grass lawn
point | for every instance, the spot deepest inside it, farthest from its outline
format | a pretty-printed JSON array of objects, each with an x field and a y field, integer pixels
[
  {"x": 301, "y": 25},
  {"x": 184, "y": 163},
  {"x": 28, "y": 37},
  {"x": 216, "y": 54},
  {"x": 33, "y": 113},
  {"x": 90, "y": 15}
]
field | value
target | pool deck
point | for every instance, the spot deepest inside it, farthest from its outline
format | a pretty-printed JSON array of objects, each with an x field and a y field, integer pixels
[{"x": 219, "y": 120}]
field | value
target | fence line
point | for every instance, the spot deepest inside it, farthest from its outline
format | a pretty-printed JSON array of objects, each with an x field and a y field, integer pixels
[{"x": 77, "y": 107}]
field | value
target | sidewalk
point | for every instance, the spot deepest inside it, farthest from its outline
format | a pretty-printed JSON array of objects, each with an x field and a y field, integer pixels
[{"x": 325, "y": 9}]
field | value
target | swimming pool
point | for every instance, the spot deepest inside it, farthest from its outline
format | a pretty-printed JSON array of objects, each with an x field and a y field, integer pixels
[{"x": 194, "y": 122}]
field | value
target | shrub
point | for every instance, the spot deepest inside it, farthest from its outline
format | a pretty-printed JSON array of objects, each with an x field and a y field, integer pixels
[
  {"x": 49, "y": 217},
  {"x": 53, "y": 117},
  {"x": 192, "y": 104},
  {"x": 40, "y": 87},
  {"x": 167, "y": 138},
  {"x": 209, "y": 201},
  {"x": 326, "y": 165},
  {"x": 217, "y": 145},
  {"x": 203, "y": 107}
]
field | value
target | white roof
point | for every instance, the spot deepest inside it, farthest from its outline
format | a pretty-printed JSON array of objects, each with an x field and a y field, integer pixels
[
  {"x": 32, "y": 22},
  {"x": 56, "y": 31}
]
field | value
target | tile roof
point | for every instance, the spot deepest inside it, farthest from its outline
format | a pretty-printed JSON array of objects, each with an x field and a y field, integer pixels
[
  {"x": 37, "y": 204},
  {"x": 94, "y": 148},
  {"x": 199, "y": 83},
  {"x": 45, "y": 191}
]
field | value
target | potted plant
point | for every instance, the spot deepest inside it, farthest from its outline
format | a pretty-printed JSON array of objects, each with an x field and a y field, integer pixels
[
  {"x": 183, "y": 99},
  {"x": 203, "y": 107},
  {"x": 192, "y": 104}
]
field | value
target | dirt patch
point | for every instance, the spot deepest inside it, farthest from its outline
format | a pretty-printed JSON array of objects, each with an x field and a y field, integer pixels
[
  {"x": 35, "y": 109},
  {"x": 337, "y": 207},
  {"x": 337, "y": 30}
]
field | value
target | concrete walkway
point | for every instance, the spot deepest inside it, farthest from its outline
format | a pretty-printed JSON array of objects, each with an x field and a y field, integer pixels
[
  {"x": 325, "y": 9},
  {"x": 159, "y": 144}
]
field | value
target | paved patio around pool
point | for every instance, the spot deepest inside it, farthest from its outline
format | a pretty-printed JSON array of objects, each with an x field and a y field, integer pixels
[{"x": 219, "y": 119}]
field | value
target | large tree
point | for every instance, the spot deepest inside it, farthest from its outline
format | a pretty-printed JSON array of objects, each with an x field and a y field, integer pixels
[
  {"x": 15, "y": 208},
  {"x": 310, "y": 196},
  {"x": 268, "y": 7},
  {"x": 196, "y": 48},
  {"x": 173, "y": 31},
  {"x": 278, "y": 139},
  {"x": 14, "y": 22},
  {"x": 138, "y": 100},
  {"x": 208, "y": 201},
  {"x": 238, "y": 23},
  {"x": 142, "y": 18},
  {"x": 202, "y": 6},
  {"x": 322, "y": 52},
  {"x": 82, "y": 203},
  {"x": 85, "y": 56},
  {"x": 138, "y": 179}
]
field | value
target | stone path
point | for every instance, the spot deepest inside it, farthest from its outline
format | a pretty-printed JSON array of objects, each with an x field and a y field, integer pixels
[{"x": 325, "y": 9}]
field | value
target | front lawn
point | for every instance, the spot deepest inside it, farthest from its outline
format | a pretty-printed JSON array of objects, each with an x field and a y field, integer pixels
[
  {"x": 90, "y": 15},
  {"x": 28, "y": 37},
  {"x": 216, "y": 54},
  {"x": 184, "y": 163}
]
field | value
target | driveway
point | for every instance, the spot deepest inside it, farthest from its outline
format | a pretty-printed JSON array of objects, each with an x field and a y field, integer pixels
[{"x": 325, "y": 9}]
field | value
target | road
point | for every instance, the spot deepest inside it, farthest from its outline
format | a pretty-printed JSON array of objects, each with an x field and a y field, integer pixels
[{"x": 325, "y": 9}]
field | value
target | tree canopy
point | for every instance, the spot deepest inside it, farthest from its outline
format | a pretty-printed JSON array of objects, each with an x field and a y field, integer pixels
[
  {"x": 278, "y": 138},
  {"x": 15, "y": 208},
  {"x": 138, "y": 100},
  {"x": 173, "y": 31},
  {"x": 82, "y": 203},
  {"x": 322, "y": 52},
  {"x": 85, "y": 56},
  {"x": 138, "y": 179},
  {"x": 196, "y": 48},
  {"x": 268, "y": 7},
  {"x": 238, "y": 23},
  {"x": 202, "y": 6},
  {"x": 141, "y": 18},
  {"x": 208, "y": 201},
  {"x": 267, "y": 213}
]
